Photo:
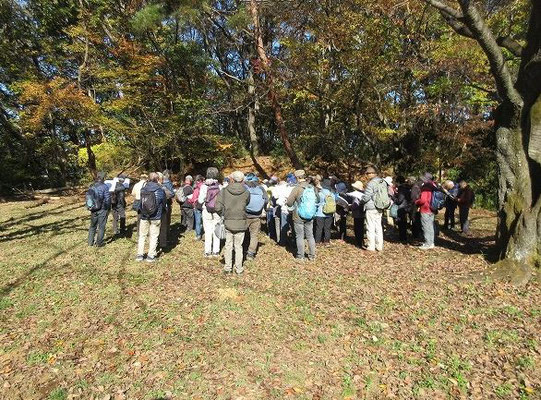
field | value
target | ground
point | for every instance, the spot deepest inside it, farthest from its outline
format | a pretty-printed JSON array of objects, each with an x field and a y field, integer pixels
[{"x": 80, "y": 322}]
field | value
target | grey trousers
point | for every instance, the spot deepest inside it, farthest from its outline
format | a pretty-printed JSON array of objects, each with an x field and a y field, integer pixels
[
  {"x": 254, "y": 226},
  {"x": 427, "y": 221},
  {"x": 233, "y": 241},
  {"x": 305, "y": 229}
]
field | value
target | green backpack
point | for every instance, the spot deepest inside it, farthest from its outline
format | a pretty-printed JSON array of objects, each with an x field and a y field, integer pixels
[
  {"x": 329, "y": 206},
  {"x": 382, "y": 201}
]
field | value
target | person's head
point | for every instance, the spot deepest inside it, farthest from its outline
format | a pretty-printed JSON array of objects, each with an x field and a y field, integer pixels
[
  {"x": 199, "y": 178},
  {"x": 326, "y": 184},
  {"x": 300, "y": 174},
  {"x": 290, "y": 179},
  {"x": 100, "y": 176},
  {"x": 462, "y": 183},
  {"x": 400, "y": 180},
  {"x": 188, "y": 179},
  {"x": 427, "y": 177},
  {"x": 166, "y": 175},
  {"x": 251, "y": 178},
  {"x": 370, "y": 172},
  {"x": 212, "y": 173},
  {"x": 143, "y": 177},
  {"x": 160, "y": 177},
  {"x": 389, "y": 180},
  {"x": 341, "y": 187},
  {"x": 358, "y": 185},
  {"x": 448, "y": 185},
  {"x": 412, "y": 179},
  {"x": 274, "y": 180},
  {"x": 154, "y": 177},
  {"x": 237, "y": 176}
]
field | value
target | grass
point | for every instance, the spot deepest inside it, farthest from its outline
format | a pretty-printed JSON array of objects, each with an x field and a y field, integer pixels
[{"x": 79, "y": 322}]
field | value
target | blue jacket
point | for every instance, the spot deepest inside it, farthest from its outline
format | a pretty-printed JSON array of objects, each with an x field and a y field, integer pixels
[
  {"x": 103, "y": 193},
  {"x": 321, "y": 201},
  {"x": 160, "y": 199}
]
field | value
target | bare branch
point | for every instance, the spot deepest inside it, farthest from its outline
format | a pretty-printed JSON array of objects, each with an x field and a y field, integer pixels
[{"x": 510, "y": 44}]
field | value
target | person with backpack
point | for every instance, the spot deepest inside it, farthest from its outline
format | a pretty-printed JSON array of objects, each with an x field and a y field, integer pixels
[
  {"x": 304, "y": 198},
  {"x": 427, "y": 211},
  {"x": 118, "y": 205},
  {"x": 98, "y": 202},
  {"x": 207, "y": 199},
  {"x": 254, "y": 209},
  {"x": 465, "y": 200},
  {"x": 280, "y": 194},
  {"x": 343, "y": 202},
  {"x": 402, "y": 202},
  {"x": 325, "y": 212},
  {"x": 231, "y": 204},
  {"x": 169, "y": 190},
  {"x": 136, "y": 193},
  {"x": 183, "y": 196},
  {"x": 152, "y": 208},
  {"x": 376, "y": 200},
  {"x": 415, "y": 215}
]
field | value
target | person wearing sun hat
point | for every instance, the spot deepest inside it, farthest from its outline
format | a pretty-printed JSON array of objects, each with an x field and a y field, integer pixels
[{"x": 258, "y": 202}]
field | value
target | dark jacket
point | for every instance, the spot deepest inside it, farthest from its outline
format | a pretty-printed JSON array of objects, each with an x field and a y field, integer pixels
[
  {"x": 403, "y": 197},
  {"x": 465, "y": 197},
  {"x": 118, "y": 197},
  {"x": 169, "y": 191},
  {"x": 231, "y": 205},
  {"x": 187, "y": 190},
  {"x": 295, "y": 197},
  {"x": 103, "y": 193},
  {"x": 160, "y": 199}
]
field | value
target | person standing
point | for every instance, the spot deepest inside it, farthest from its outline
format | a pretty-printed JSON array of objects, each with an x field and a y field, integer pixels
[
  {"x": 402, "y": 201},
  {"x": 427, "y": 214},
  {"x": 197, "y": 207},
  {"x": 136, "y": 193},
  {"x": 357, "y": 212},
  {"x": 415, "y": 215},
  {"x": 254, "y": 209},
  {"x": 376, "y": 200},
  {"x": 325, "y": 212},
  {"x": 152, "y": 207},
  {"x": 98, "y": 202},
  {"x": 207, "y": 199},
  {"x": 231, "y": 205},
  {"x": 280, "y": 194},
  {"x": 304, "y": 198},
  {"x": 342, "y": 208},
  {"x": 450, "y": 204},
  {"x": 465, "y": 200},
  {"x": 118, "y": 205},
  {"x": 186, "y": 206},
  {"x": 167, "y": 186}
]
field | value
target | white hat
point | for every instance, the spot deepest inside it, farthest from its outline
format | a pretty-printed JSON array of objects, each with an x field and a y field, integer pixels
[{"x": 358, "y": 185}]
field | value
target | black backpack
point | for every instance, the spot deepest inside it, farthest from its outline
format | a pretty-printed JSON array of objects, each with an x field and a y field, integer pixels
[
  {"x": 149, "y": 204},
  {"x": 93, "y": 201}
]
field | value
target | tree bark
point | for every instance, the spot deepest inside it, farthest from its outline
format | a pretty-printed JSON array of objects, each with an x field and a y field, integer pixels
[
  {"x": 91, "y": 156},
  {"x": 250, "y": 125},
  {"x": 269, "y": 79}
]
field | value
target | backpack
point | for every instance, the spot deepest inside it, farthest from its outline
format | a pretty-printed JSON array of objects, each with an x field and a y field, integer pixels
[
  {"x": 307, "y": 205},
  {"x": 381, "y": 198},
  {"x": 257, "y": 201},
  {"x": 180, "y": 196},
  {"x": 195, "y": 195},
  {"x": 437, "y": 202},
  {"x": 93, "y": 201},
  {"x": 212, "y": 195},
  {"x": 329, "y": 205},
  {"x": 149, "y": 203}
]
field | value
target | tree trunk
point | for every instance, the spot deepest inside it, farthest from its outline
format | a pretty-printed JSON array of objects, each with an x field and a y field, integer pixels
[
  {"x": 250, "y": 124},
  {"x": 519, "y": 217},
  {"x": 91, "y": 157},
  {"x": 269, "y": 79}
]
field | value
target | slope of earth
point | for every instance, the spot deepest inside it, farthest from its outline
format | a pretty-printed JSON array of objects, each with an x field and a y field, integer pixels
[{"x": 80, "y": 322}]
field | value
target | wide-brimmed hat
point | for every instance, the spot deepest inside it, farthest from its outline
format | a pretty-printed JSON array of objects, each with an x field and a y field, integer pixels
[{"x": 358, "y": 185}]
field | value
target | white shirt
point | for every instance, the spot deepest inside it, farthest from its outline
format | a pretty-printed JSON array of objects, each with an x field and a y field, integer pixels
[{"x": 136, "y": 191}]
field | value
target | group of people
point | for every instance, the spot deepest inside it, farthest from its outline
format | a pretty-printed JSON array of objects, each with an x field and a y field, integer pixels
[{"x": 299, "y": 209}]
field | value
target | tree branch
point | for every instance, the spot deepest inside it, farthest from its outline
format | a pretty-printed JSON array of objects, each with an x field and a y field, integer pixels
[{"x": 510, "y": 44}]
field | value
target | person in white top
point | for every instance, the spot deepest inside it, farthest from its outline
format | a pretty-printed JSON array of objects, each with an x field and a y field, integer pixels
[
  {"x": 280, "y": 193},
  {"x": 207, "y": 199},
  {"x": 136, "y": 192}
]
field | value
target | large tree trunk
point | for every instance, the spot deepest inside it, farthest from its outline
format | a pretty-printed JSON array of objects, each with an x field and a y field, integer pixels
[
  {"x": 250, "y": 125},
  {"x": 269, "y": 79},
  {"x": 91, "y": 156}
]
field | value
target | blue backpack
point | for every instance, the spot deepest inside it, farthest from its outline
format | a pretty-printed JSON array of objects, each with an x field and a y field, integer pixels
[
  {"x": 93, "y": 201},
  {"x": 307, "y": 205},
  {"x": 257, "y": 201},
  {"x": 437, "y": 202}
]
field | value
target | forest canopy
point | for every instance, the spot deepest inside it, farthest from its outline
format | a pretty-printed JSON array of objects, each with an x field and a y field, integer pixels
[{"x": 331, "y": 85}]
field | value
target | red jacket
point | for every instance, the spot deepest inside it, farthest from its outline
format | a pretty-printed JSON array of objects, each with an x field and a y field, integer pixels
[{"x": 426, "y": 197}]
